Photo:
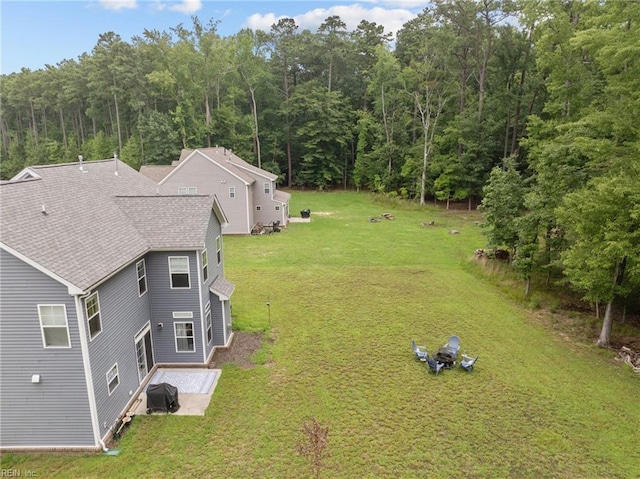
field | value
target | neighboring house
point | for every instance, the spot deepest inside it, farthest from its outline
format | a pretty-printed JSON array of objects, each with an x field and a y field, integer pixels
[
  {"x": 247, "y": 194},
  {"x": 101, "y": 281}
]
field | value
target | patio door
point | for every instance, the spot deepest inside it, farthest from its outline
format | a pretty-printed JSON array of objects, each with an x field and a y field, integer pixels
[{"x": 144, "y": 352}]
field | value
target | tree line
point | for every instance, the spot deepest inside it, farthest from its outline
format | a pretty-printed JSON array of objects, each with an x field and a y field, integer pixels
[{"x": 530, "y": 106}]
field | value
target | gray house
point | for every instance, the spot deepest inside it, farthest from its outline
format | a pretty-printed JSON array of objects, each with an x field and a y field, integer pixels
[
  {"x": 102, "y": 280},
  {"x": 248, "y": 194}
]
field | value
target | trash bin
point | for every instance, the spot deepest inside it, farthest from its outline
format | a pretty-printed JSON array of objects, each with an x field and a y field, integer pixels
[{"x": 306, "y": 213}]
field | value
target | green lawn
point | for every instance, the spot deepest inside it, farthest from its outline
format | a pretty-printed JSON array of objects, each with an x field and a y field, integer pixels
[{"x": 347, "y": 297}]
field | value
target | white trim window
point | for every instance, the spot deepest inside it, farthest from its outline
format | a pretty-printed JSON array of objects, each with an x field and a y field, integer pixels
[
  {"x": 54, "y": 325},
  {"x": 141, "y": 271},
  {"x": 179, "y": 272},
  {"x": 219, "y": 249},
  {"x": 113, "y": 378},
  {"x": 207, "y": 322},
  {"x": 92, "y": 307},
  {"x": 182, "y": 190},
  {"x": 267, "y": 188},
  {"x": 187, "y": 190},
  {"x": 205, "y": 265},
  {"x": 185, "y": 340},
  {"x": 193, "y": 190},
  {"x": 232, "y": 192}
]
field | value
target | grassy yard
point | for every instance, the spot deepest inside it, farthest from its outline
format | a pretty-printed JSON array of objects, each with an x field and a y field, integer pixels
[{"x": 347, "y": 297}]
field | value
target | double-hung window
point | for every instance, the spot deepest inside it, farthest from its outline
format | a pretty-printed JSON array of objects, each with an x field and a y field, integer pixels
[
  {"x": 54, "y": 325},
  {"x": 205, "y": 265},
  {"x": 207, "y": 322},
  {"x": 92, "y": 306},
  {"x": 267, "y": 188},
  {"x": 142, "y": 277},
  {"x": 218, "y": 249},
  {"x": 113, "y": 378},
  {"x": 179, "y": 272},
  {"x": 232, "y": 192},
  {"x": 185, "y": 342}
]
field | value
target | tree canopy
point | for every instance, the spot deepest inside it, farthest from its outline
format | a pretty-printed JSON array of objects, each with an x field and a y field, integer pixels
[{"x": 528, "y": 107}]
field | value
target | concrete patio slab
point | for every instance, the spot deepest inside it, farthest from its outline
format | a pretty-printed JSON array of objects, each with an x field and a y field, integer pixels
[{"x": 195, "y": 388}]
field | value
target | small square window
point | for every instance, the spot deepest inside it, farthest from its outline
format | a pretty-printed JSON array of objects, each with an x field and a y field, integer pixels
[
  {"x": 193, "y": 190},
  {"x": 277, "y": 207},
  {"x": 258, "y": 208},
  {"x": 182, "y": 190}
]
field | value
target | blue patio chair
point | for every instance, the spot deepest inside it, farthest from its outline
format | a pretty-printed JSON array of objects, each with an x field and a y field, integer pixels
[
  {"x": 434, "y": 365},
  {"x": 468, "y": 362},
  {"x": 453, "y": 344},
  {"x": 420, "y": 352}
]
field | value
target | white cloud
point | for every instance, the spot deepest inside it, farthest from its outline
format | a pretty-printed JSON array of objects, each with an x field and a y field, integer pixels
[
  {"x": 118, "y": 5},
  {"x": 392, "y": 18},
  {"x": 187, "y": 7}
]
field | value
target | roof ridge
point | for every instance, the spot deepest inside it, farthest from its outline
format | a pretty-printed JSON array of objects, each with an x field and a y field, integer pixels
[{"x": 72, "y": 163}]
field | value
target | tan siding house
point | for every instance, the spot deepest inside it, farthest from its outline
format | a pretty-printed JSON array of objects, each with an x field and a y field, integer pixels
[{"x": 247, "y": 194}]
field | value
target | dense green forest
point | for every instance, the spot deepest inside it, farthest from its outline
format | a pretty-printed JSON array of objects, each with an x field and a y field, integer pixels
[{"x": 530, "y": 107}]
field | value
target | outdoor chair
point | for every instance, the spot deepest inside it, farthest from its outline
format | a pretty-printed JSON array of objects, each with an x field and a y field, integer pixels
[
  {"x": 453, "y": 344},
  {"x": 434, "y": 365},
  {"x": 420, "y": 351},
  {"x": 468, "y": 362}
]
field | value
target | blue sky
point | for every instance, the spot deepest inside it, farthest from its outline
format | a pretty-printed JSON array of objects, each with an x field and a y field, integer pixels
[{"x": 37, "y": 33}]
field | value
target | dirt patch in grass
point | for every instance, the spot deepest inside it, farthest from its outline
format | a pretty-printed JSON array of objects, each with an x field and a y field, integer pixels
[{"x": 242, "y": 348}]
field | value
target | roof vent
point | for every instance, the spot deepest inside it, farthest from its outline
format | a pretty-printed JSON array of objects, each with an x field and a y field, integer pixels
[
  {"x": 80, "y": 159},
  {"x": 44, "y": 210},
  {"x": 115, "y": 159}
]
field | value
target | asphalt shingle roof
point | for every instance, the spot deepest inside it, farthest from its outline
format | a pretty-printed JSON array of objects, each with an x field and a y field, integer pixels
[
  {"x": 156, "y": 173},
  {"x": 222, "y": 287},
  {"x": 71, "y": 222},
  {"x": 177, "y": 221}
]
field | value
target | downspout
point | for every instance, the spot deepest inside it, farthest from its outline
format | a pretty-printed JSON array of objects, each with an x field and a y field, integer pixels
[
  {"x": 84, "y": 347},
  {"x": 201, "y": 306},
  {"x": 249, "y": 208}
]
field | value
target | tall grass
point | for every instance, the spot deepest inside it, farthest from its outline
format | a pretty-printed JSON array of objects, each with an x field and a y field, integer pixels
[{"x": 347, "y": 296}]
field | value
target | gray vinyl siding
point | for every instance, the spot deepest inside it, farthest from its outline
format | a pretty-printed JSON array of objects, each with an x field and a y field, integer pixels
[
  {"x": 211, "y": 179},
  {"x": 165, "y": 301},
  {"x": 217, "y": 320},
  {"x": 267, "y": 213},
  {"x": 123, "y": 313},
  {"x": 54, "y": 413},
  {"x": 215, "y": 270}
]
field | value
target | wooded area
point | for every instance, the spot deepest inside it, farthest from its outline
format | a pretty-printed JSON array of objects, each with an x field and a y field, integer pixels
[{"x": 530, "y": 106}]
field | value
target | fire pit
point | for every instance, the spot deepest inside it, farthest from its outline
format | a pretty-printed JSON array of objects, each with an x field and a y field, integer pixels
[{"x": 446, "y": 356}]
